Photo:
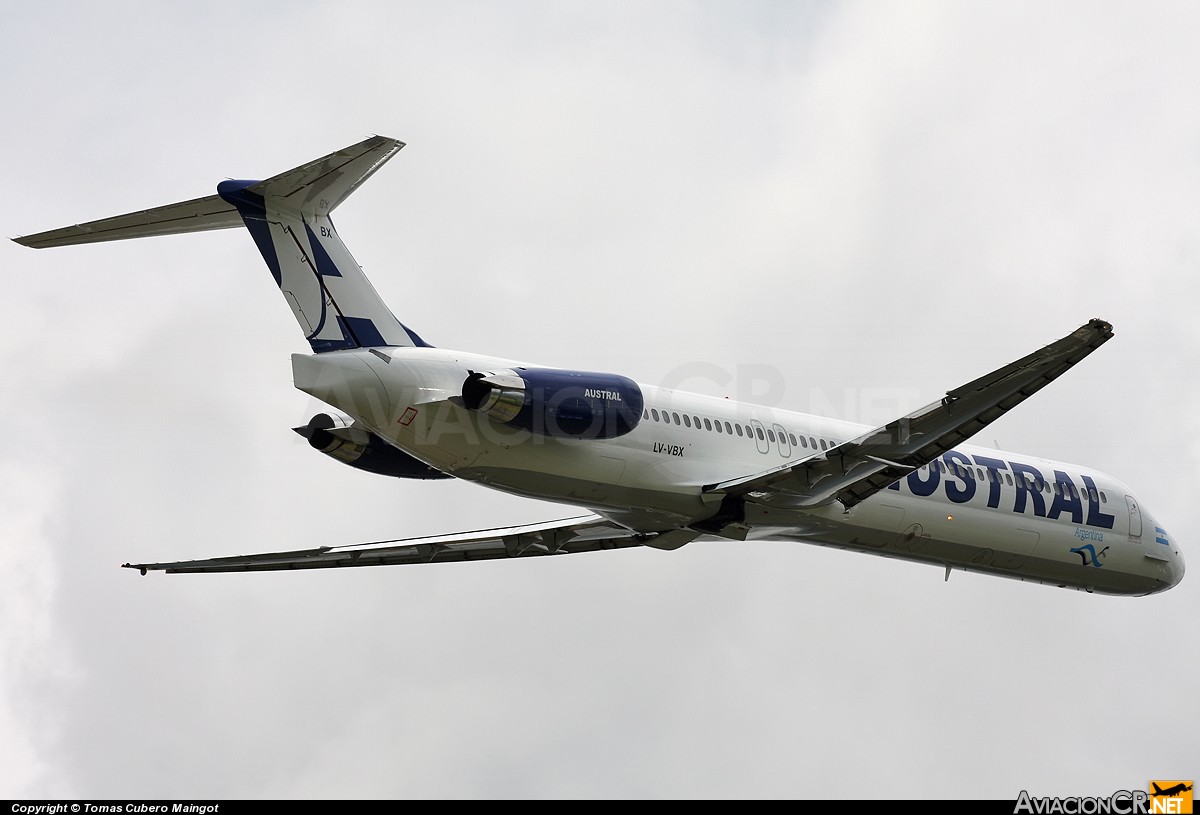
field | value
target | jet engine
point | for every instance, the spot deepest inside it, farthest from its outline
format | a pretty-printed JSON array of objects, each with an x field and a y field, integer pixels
[
  {"x": 338, "y": 437},
  {"x": 554, "y": 402}
]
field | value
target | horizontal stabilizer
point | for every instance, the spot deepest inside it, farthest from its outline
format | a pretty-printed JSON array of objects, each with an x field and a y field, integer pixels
[
  {"x": 197, "y": 215},
  {"x": 318, "y": 187}
]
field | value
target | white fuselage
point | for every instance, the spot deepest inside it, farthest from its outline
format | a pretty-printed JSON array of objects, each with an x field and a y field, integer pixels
[{"x": 973, "y": 509}]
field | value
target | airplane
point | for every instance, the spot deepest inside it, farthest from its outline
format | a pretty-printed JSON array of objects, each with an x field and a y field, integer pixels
[
  {"x": 1170, "y": 791},
  {"x": 650, "y": 466}
]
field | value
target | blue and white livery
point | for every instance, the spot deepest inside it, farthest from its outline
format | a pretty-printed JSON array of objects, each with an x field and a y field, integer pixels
[{"x": 652, "y": 466}]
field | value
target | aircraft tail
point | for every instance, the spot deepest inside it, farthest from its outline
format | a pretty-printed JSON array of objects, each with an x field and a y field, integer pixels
[{"x": 288, "y": 217}]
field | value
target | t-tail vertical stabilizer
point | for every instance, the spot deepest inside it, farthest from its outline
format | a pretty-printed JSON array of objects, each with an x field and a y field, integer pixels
[{"x": 288, "y": 217}]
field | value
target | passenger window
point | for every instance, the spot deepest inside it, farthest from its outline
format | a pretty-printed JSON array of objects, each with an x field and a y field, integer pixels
[
  {"x": 654, "y": 413},
  {"x": 1103, "y": 497},
  {"x": 687, "y": 422},
  {"x": 803, "y": 442},
  {"x": 792, "y": 439},
  {"x": 728, "y": 429},
  {"x": 823, "y": 447},
  {"x": 645, "y": 414},
  {"x": 739, "y": 430},
  {"x": 717, "y": 425},
  {"x": 1008, "y": 478},
  {"x": 676, "y": 415},
  {"x": 707, "y": 425},
  {"x": 771, "y": 436},
  {"x": 758, "y": 430}
]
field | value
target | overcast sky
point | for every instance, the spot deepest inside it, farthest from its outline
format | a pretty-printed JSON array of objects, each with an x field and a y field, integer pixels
[{"x": 844, "y": 208}]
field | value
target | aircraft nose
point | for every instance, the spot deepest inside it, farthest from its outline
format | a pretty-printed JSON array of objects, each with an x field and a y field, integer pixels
[
  {"x": 1171, "y": 562},
  {"x": 1175, "y": 569}
]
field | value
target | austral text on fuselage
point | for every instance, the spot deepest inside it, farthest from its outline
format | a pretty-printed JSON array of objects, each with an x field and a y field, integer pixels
[
  {"x": 593, "y": 393},
  {"x": 1027, "y": 482}
]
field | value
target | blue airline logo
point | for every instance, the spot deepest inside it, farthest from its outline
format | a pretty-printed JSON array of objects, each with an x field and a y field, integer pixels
[
  {"x": 1089, "y": 554},
  {"x": 1029, "y": 482}
]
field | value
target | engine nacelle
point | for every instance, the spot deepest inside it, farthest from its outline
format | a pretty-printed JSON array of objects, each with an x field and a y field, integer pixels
[
  {"x": 553, "y": 402},
  {"x": 336, "y": 436}
]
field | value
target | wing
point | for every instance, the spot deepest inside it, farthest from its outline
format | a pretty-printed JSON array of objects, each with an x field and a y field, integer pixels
[
  {"x": 855, "y": 470},
  {"x": 583, "y": 534}
]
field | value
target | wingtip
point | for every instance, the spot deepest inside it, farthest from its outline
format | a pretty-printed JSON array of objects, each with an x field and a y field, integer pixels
[
  {"x": 1094, "y": 331},
  {"x": 384, "y": 138}
]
